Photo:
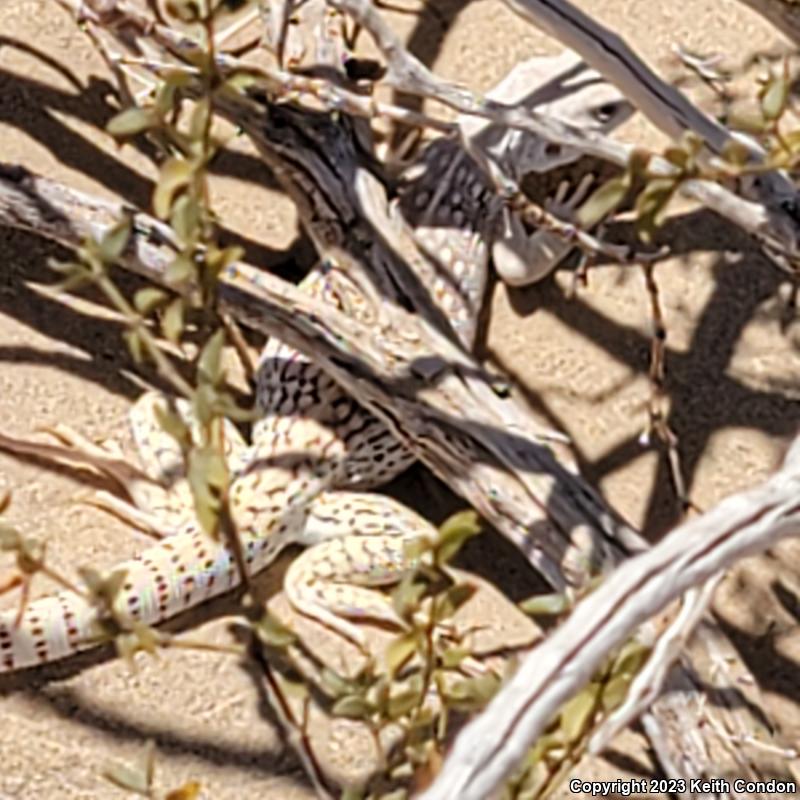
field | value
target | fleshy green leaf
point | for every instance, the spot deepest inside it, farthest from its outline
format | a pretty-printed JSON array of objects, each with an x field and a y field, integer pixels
[
  {"x": 775, "y": 97},
  {"x": 406, "y": 597},
  {"x": 64, "y": 267},
  {"x": 241, "y": 80},
  {"x": 335, "y": 685},
  {"x": 651, "y": 206},
  {"x": 274, "y": 633},
  {"x": 414, "y": 549},
  {"x": 114, "y": 241},
  {"x": 185, "y": 219},
  {"x": 615, "y": 690},
  {"x": 173, "y": 424},
  {"x": 199, "y": 118},
  {"x": 104, "y": 585},
  {"x": 454, "y": 532},
  {"x": 180, "y": 270},
  {"x": 602, "y": 202},
  {"x": 73, "y": 282},
  {"x": 176, "y": 174},
  {"x": 131, "y": 121},
  {"x": 218, "y": 260},
  {"x": 545, "y": 605},
  {"x": 736, "y": 152},
  {"x": 137, "y": 778},
  {"x": 353, "y": 706},
  {"x": 216, "y": 469},
  {"x": 141, "y": 639},
  {"x": 472, "y": 693},
  {"x": 453, "y": 656},
  {"x": 135, "y": 344},
  {"x": 293, "y": 689},
  {"x": 450, "y": 601},
  {"x": 399, "y": 651},
  {"x": 630, "y": 658},
  {"x": 405, "y": 699},
  {"x": 678, "y": 157},
  {"x": 172, "y": 321},
  {"x": 209, "y": 364},
  {"x": 148, "y": 299},
  {"x": 129, "y": 777},
  {"x": 747, "y": 121},
  {"x": 577, "y": 712}
]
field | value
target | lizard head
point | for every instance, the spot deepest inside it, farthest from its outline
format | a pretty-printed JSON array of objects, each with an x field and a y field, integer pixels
[{"x": 562, "y": 88}]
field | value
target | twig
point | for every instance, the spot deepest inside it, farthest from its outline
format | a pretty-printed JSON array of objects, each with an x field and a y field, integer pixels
[
  {"x": 769, "y": 218},
  {"x": 437, "y": 401},
  {"x": 236, "y": 338},
  {"x": 657, "y": 402},
  {"x": 593, "y": 246},
  {"x": 52, "y": 210},
  {"x": 770, "y": 222},
  {"x": 441, "y": 406},
  {"x": 180, "y": 45},
  {"x": 648, "y": 683}
]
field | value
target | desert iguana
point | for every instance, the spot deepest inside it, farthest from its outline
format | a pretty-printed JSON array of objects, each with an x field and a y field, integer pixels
[{"x": 312, "y": 440}]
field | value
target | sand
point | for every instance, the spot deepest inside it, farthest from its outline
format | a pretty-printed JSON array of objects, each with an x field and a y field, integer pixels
[{"x": 733, "y": 369}]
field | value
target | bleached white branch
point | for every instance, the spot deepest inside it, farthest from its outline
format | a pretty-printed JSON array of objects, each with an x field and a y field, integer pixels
[
  {"x": 568, "y": 533},
  {"x": 648, "y": 683},
  {"x": 490, "y": 747},
  {"x": 514, "y": 480},
  {"x": 765, "y": 218},
  {"x": 129, "y": 26},
  {"x": 767, "y": 214},
  {"x": 664, "y": 105}
]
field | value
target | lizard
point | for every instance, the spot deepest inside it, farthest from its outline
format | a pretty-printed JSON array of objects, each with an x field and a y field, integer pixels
[
  {"x": 700, "y": 759},
  {"x": 342, "y": 445},
  {"x": 563, "y": 88}
]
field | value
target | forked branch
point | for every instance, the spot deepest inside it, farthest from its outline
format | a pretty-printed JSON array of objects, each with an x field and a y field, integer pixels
[{"x": 490, "y": 747}]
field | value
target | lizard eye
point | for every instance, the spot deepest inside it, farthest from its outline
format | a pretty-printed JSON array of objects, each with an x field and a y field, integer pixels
[
  {"x": 606, "y": 112},
  {"x": 552, "y": 149}
]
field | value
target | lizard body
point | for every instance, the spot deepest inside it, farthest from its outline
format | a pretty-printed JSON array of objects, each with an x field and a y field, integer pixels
[{"x": 312, "y": 440}]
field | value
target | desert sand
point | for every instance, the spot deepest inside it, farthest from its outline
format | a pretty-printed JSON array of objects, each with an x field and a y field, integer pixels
[{"x": 733, "y": 365}]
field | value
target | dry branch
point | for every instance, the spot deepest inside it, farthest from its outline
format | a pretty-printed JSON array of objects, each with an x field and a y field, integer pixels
[
  {"x": 490, "y": 747},
  {"x": 444, "y": 410},
  {"x": 435, "y": 398},
  {"x": 770, "y": 214}
]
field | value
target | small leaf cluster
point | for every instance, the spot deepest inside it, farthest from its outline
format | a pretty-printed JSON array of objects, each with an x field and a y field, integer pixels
[
  {"x": 424, "y": 682},
  {"x": 558, "y": 750},
  {"x": 419, "y": 681},
  {"x": 181, "y": 197},
  {"x": 29, "y": 553},
  {"x": 654, "y": 189},
  {"x": 181, "y": 193},
  {"x": 139, "y": 778},
  {"x": 111, "y": 623}
]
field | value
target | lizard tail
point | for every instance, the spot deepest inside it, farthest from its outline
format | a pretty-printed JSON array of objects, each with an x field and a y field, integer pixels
[{"x": 178, "y": 573}]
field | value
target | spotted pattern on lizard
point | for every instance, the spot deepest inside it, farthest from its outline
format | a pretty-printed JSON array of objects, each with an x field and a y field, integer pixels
[{"x": 311, "y": 442}]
